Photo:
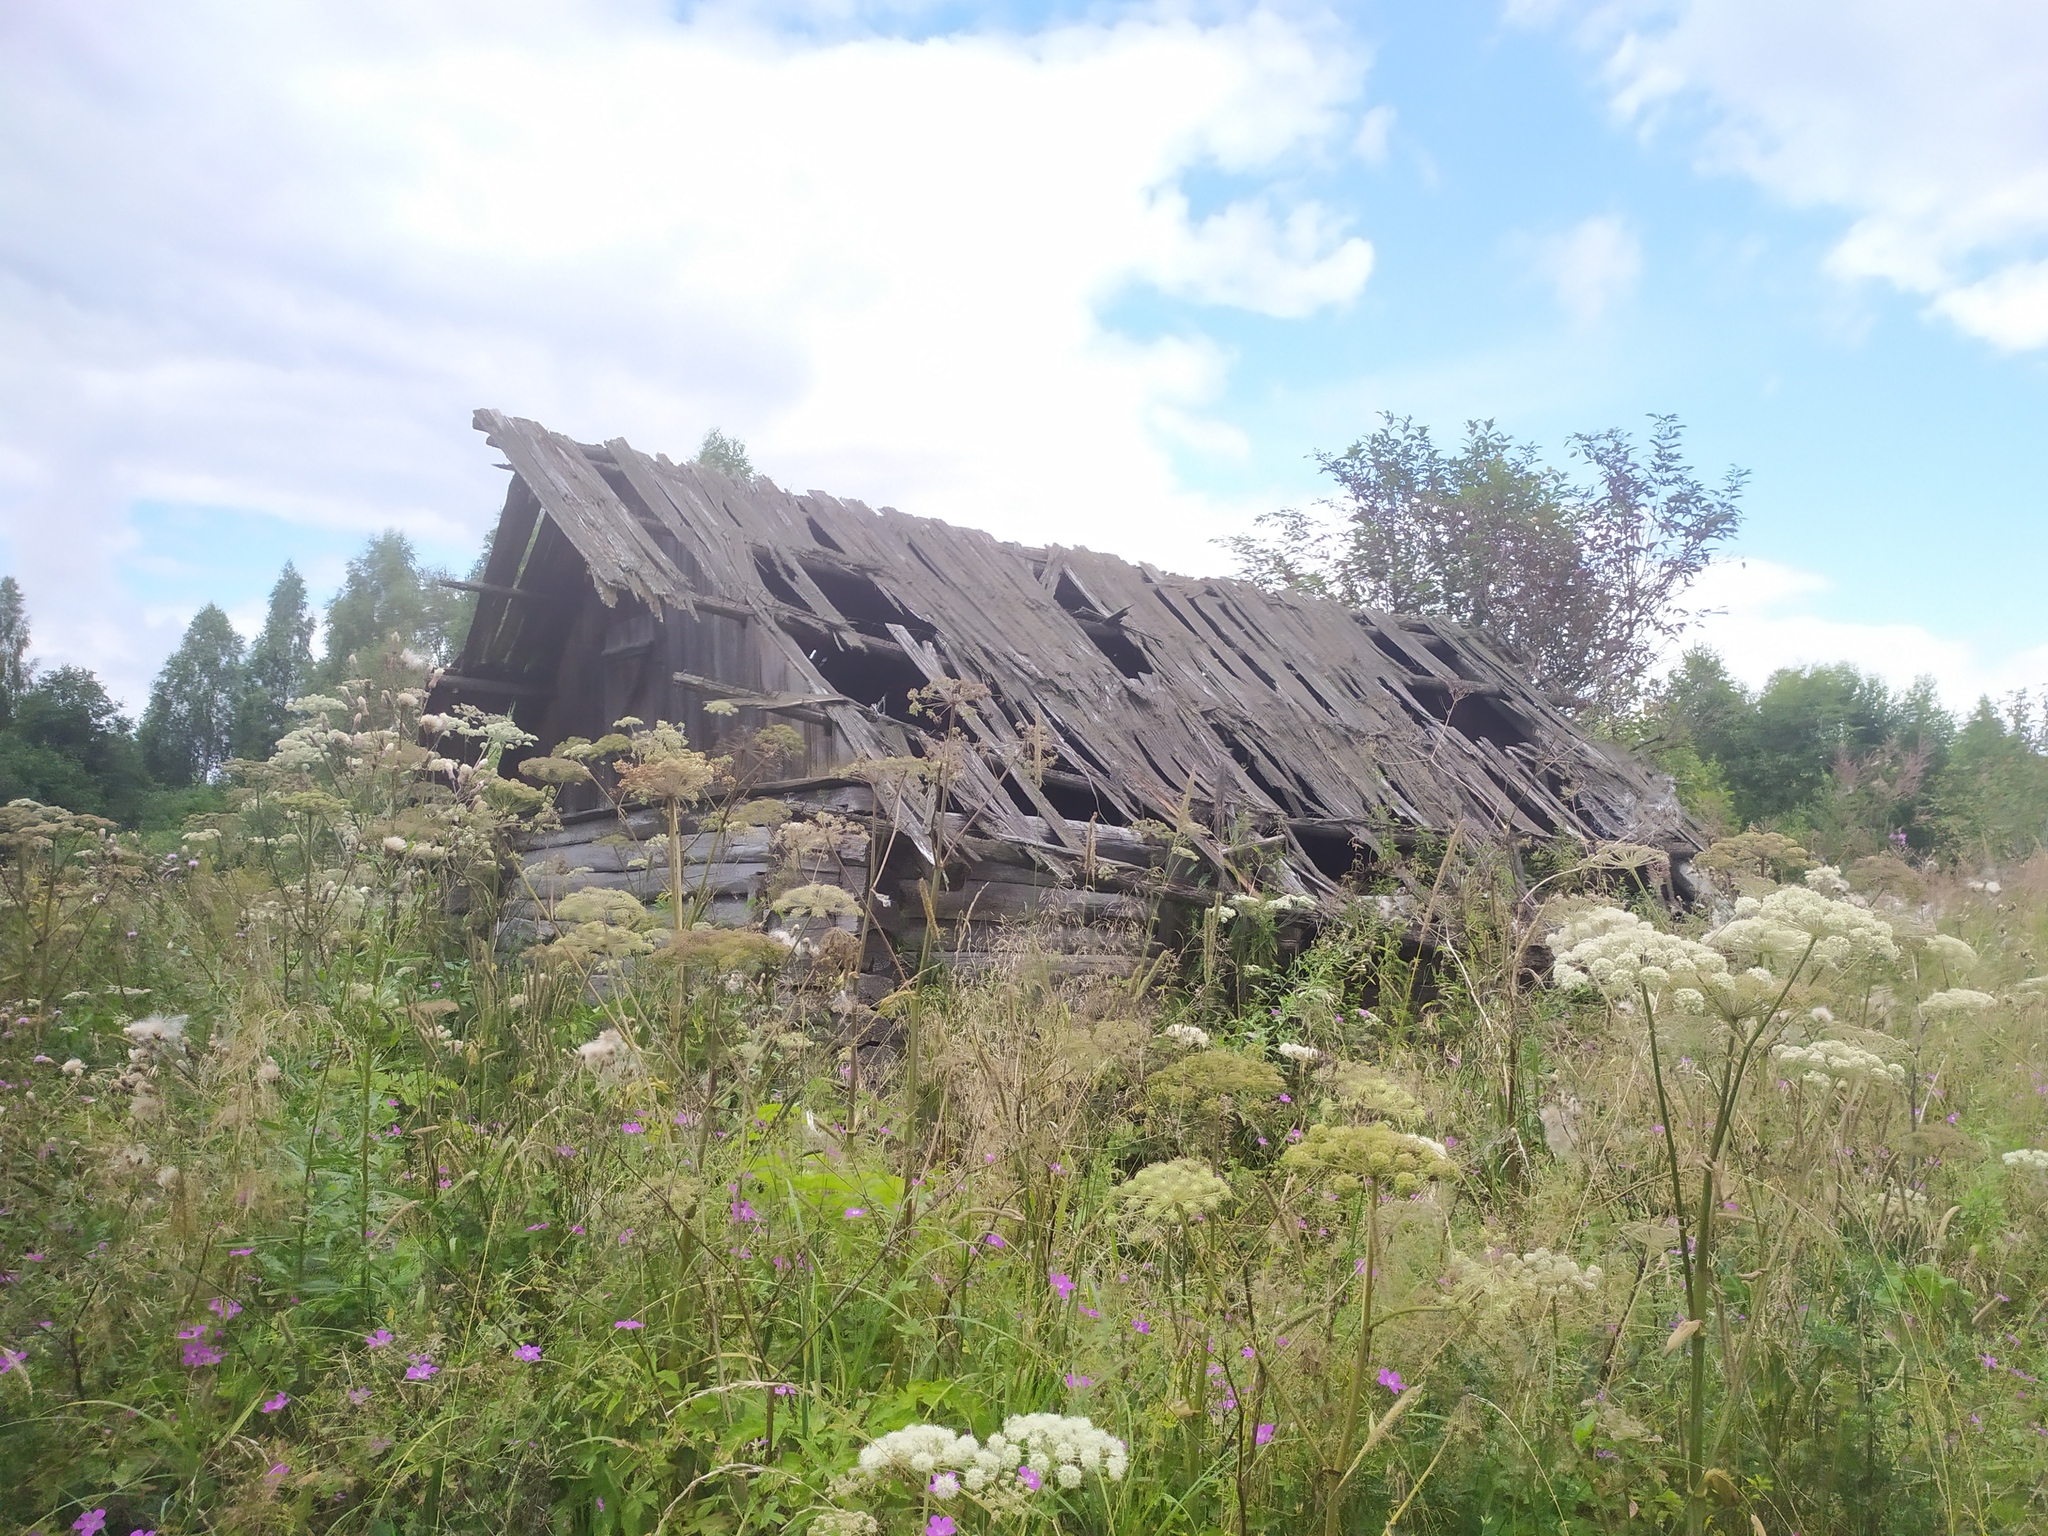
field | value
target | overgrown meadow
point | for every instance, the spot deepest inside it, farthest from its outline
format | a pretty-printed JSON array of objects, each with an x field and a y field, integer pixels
[{"x": 1496, "y": 1199}]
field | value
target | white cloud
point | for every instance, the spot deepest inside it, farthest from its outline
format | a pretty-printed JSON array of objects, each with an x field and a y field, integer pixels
[
  {"x": 1927, "y": 126},
  {"x": 1764, "y": 622},
  {"x": 1590, "y": 267},
  {"x": 1374, "y": 130},
  {"x": 270, "y": 258}
]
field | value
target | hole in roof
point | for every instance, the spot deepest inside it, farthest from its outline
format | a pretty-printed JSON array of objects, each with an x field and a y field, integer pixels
[
  {"x": 777, "y": 584},
  {"x": 1482, "y": 719},
  {"x": 858, "y": 597},
  {"x": 881, "y": 679},
  {"x": 1248, "y": 760},
  {"x": 1335, "y": 853},
  {"x": 1068, "y": 595},
  {"x": 1075, "y": 798},
  {"x": 818, "y": 532}
]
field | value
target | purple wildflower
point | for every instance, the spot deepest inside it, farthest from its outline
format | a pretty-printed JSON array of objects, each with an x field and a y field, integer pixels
[
  {"x": 222, "y": 1308},
  {"x": 421, "y": 1368},
  {"x": 632, "y": 1128},
  {"x": 89, "y": 1523},
  {"x": 197, "y": 1355},
  {"x": 1263, "y": 1435},
  {"x": 1391, "y": 1380},
  {"x": 527, "y": 1352},
  {"x": 629, "y": 1322},
  {"x": 196, "y": 1331},
  {"x": 274, "y": 1404},
  {"x": 1064, "y": 1284},
  {"x": 993, "y": 1239},
  {"x": 378, "y": 1339},
  {"x": 1030, "y": 1479}
]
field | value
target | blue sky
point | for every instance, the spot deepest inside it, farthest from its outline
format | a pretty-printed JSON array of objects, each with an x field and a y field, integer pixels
[{"x": 1105, "y": 275}]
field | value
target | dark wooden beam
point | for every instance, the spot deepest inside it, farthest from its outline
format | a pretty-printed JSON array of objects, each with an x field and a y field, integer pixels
[
  {"x": 501, "y": 686},
  {"x": 492, "y": 589}
]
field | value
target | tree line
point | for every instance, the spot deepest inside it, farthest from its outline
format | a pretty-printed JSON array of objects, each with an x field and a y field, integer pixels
[{"x": 64, "y": 741}]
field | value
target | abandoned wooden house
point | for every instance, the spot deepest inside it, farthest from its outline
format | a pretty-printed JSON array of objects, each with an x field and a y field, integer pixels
[{"x": 1120, "y": 745}]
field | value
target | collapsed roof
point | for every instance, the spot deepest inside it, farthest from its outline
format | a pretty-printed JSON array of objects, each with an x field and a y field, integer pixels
[{"x": 620, "y": 583}]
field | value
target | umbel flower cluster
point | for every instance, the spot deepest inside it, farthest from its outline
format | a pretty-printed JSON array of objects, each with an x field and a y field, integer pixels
[
  {"x": 1033, "y": 1452},
  {"x": 1165, "y": 1194},
  {"x": 1827, "y": 1062},
  {"x": 1783, "y": 924},
  {"x": 1540, "y": 1277},
  {"x": 1957, "y": 1000},
  {"x": 1363, "y": 1091},
  {"x": 2029, "y": 1159},
  {"x": 1620, "y": 954},
  {"x": 1345, "y": 1156}
]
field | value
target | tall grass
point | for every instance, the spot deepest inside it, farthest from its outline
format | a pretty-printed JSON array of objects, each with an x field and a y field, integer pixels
[{"x": 1375, "y": 1239}]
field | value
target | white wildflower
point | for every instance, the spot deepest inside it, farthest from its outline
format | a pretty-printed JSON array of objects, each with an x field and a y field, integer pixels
[
  {"x": 1186, "y": 1035},
  {"x": 1294, "y": 1051},
  {"x": 1793, "y": 922},
  {"x": 1837, "y": 1061},
  {"x": 1617, "y": 953},
  {"x": 1957, "y": 1000},
  {"x": 1049, "y": 1440},
  {"x": 168, "y": 1177},
  {"x": 156, "y": 1039},
  {"x": 610, "y": 1058},
  {"x": 1538, "y": 1277},
  {"x": 1827, "y": 879},
  {"x": 2032, "y": 1159},
  {"x": 73, "y": 1068},
  {"x": 917, "y": 1450}
]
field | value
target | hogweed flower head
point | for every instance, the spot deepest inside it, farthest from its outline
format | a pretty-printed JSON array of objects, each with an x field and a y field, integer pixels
[
  {"x": 1373, "y": 1094},
  {"x": 1956, "y": 1001},
  {"x": 1618, "y": 953},
  {"x": 1944, "y": 948},
  {"x": 1538, "y": 1277},
  {"x": 1792, "y": 920},
  {"x": 1834, "y": 1061},
  {"x": 1345, "y": 1156},
  {"x": 2027, "y": 1159},
  {"x": 1166, "y": 1194},
  {"x": 1186, "y": 1035}
]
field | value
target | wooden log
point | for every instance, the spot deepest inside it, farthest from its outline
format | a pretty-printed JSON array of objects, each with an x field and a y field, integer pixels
[
  {"x": 994, "y": 902},
  {"x": 649, "y": 885}
]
